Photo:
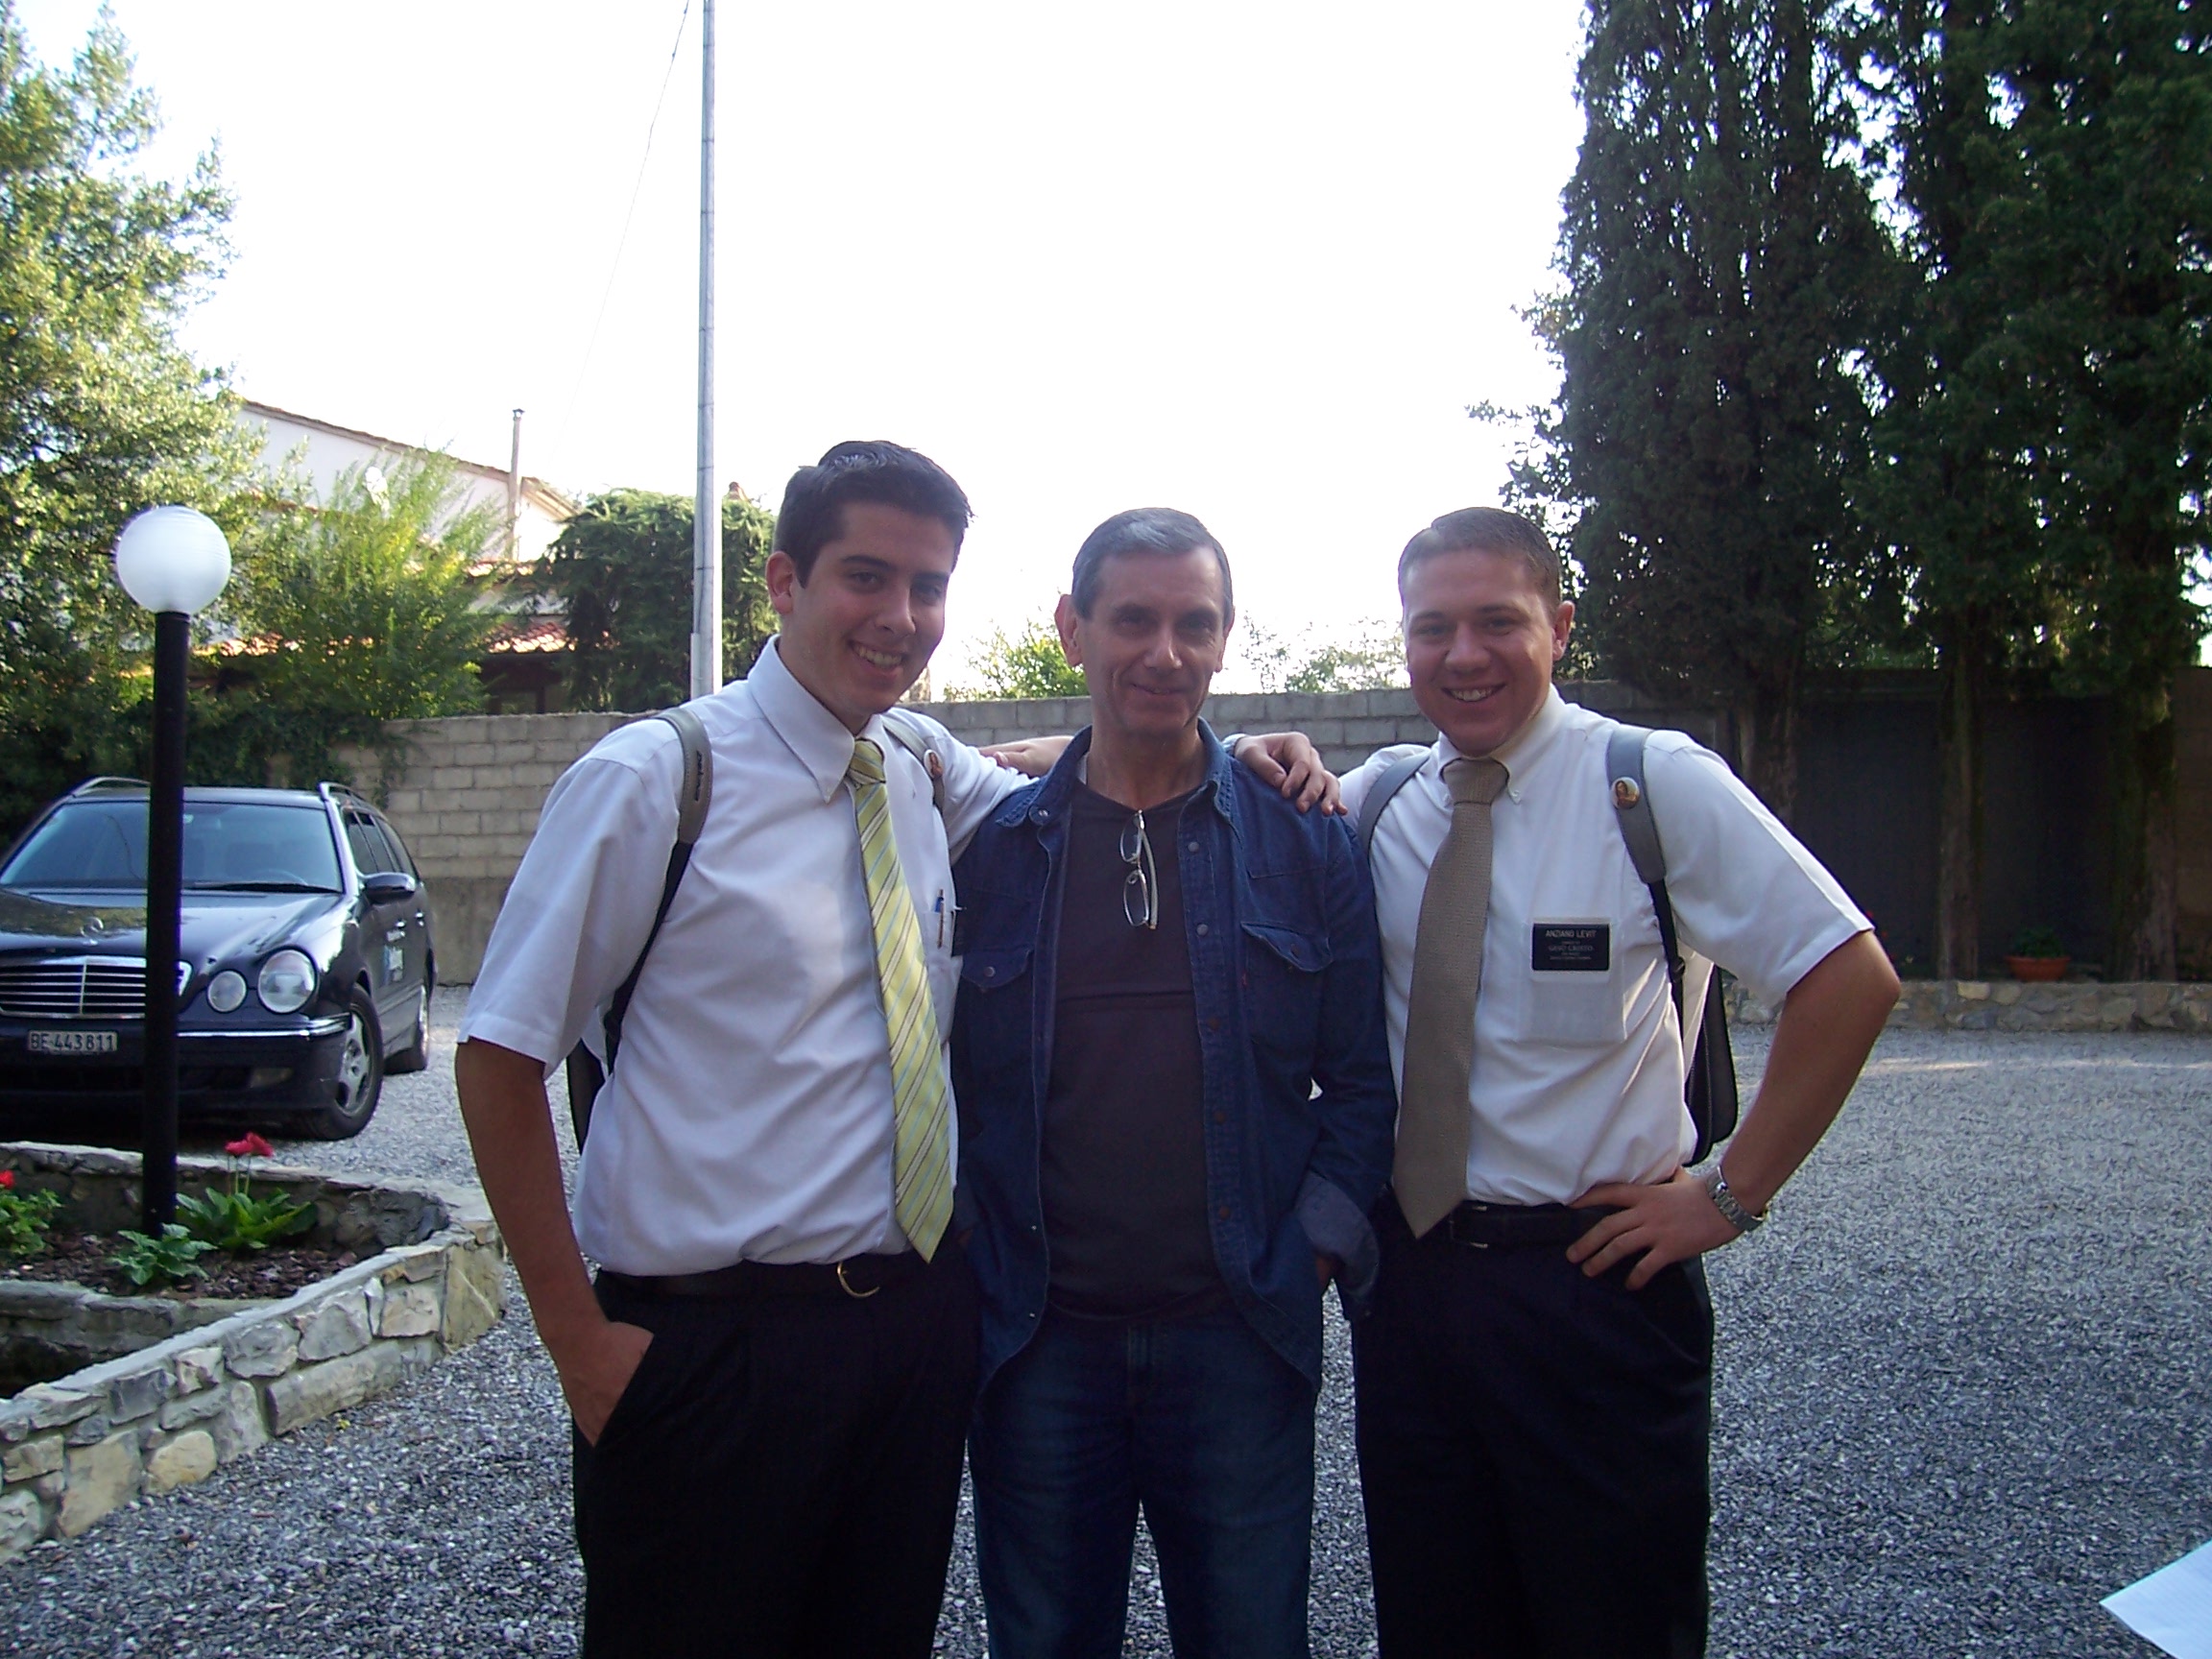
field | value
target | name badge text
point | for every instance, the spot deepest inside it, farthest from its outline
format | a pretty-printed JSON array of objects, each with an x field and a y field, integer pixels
[{"x": 1570, "y": 948}]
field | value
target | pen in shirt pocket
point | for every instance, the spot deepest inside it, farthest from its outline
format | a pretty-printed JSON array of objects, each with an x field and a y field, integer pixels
[{"x": 940, "y": 908}]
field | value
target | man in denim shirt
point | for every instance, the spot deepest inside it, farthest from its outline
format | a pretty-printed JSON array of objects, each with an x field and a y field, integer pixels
[{"x": 1176, "y": 1109}]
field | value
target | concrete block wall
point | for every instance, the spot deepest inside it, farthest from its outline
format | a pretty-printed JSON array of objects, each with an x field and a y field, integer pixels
[
  {"x": 2192, "y": 812},
  {"x": 466, "y": 802},
  {"x": 467, "y": 799}
]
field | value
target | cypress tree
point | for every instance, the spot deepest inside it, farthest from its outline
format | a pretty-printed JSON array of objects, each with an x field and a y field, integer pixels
[
  {"x": 1724, "y": 272},
  {"x": 2108, "y": 245},
  {"x": 1952, "y": 494}
]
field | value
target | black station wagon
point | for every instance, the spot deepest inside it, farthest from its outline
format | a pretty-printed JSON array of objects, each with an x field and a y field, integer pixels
[{"x": 306, "y": 966}]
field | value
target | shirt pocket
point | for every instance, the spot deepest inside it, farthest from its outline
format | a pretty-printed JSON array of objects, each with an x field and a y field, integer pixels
[
  {"x": 991, "y": 970},
  {"x": 1581, "y": 1004},
  {"x": 1282, "y": 971},
  {"x": 991, "y": 1044}
]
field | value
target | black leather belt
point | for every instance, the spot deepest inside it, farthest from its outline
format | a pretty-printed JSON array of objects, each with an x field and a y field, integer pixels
[
  {"x": 1484, "y": 1225},
  {"x": 859, "y": 1277}
]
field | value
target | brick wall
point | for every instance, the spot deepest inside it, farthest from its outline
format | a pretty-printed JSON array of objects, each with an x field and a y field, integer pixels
[{"x": 468, "y": 797}]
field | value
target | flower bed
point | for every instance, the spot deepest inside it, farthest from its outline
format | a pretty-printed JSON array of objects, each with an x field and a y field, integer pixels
[{"x": 169, "y": 1386}]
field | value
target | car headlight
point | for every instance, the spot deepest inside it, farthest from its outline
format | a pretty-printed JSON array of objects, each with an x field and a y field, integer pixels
[
  {"x": 287, "y": 982},
  {"x": 227, "y": 990}
]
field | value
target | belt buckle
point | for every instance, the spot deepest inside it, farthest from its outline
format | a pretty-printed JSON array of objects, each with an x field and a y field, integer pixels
[{"x": 845, "y": 1285}]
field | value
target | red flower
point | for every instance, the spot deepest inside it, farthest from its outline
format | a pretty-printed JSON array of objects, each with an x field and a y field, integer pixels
[
  {"x": 6, "y": 1180},
  {"x": 251, "y": 1145}
]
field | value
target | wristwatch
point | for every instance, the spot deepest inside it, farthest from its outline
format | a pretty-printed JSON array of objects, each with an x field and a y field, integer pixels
[{"x": 1731, "y": 1211}]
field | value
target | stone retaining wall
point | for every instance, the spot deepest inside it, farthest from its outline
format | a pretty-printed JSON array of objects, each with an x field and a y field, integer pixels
[
  {"x": 2008, "y": 1005},
  {"x": 169, "y": 1414}
]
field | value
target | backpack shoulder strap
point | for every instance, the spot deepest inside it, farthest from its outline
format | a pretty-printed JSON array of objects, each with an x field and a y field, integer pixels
[
  {"x": 1624, "y": 770},
  {"x": 1400, "y": 772},
  {"x": 908, "y": 734},
  {"x": 694, "y": 793},
  {"x": 1632, "y": 811},
  {"x": 696, "y": 789},
  {"x": 1699, "y": 1008}
]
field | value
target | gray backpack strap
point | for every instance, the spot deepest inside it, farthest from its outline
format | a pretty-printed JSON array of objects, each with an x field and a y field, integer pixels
[
  {"x": 696, "y": 790},
  {"x": 1633, "y": 811},
  {"x": 694, "y": 793},
  {"x": 1624, "y": 768},
  {"x": 1701, "y": 1009},
  {"x": 1378, "y": 798},
  {"x": 909, "y": 736}
]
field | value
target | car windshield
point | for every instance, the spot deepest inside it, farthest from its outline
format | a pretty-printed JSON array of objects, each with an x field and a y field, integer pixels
[{"x": 241, "y": 845}]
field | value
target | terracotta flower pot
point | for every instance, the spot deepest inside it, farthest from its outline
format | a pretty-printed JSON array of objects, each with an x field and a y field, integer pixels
[{"x": 2038, "y": 970}]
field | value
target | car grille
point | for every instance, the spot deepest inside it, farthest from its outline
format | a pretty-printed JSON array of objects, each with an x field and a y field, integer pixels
[{"x": 98, "y": 988}]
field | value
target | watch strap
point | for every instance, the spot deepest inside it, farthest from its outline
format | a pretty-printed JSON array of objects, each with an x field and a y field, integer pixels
[{"x": 1731, "y": 1209}]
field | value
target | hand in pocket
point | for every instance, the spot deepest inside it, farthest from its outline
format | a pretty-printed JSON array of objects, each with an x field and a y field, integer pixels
[{"x": 595, "y": 1372}]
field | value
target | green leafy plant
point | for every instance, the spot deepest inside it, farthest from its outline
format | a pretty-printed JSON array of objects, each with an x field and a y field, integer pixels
[
  {"x": 236, "y": 1222},
  {"x": 24, "y": 1217},
  {"x": 355, "y": 605},
  {"x": 1027, "y": 664},
  {"x": 169, "y": 1260},
  {"x": 2038, "y": 942},
  {"x": 621, "y": 570},
  {"x": 102, "y": 410},
  {"x": 1368, "y": 654}
]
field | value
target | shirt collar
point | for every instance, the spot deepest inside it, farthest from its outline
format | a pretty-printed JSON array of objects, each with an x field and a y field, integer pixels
[
  {"x": 1519, "y": 753},
  {"x": 1053, "y": 797},
  {"x": 816, "y": 738}
]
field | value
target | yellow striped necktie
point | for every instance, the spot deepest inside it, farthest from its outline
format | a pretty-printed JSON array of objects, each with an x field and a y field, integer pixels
[{"x": 922, "y": 1155}]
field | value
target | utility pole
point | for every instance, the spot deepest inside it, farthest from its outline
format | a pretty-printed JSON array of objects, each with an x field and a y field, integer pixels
[
  {"x": 707, "y": 521},
  {"x": 515, "y": 491}
]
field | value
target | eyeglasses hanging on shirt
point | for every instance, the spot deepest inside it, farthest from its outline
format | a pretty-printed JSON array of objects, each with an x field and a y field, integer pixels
[{"x": 1141, "y": 888}]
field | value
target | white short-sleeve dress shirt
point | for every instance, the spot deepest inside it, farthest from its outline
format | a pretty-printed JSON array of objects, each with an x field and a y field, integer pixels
[
  {"x": 1578, "y": 1073},
  {"x": 748, "y": 1118}
]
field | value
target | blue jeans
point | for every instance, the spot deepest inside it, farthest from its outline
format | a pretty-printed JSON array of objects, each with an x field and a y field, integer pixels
[{"x": 1197, "y": 1420}]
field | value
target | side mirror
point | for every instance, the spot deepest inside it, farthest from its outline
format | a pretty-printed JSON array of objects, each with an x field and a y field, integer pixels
[{"x": 389, "y": 887}]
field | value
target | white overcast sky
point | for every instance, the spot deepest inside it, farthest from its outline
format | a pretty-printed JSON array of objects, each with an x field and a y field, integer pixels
[{"x": 1250, "y": 260}]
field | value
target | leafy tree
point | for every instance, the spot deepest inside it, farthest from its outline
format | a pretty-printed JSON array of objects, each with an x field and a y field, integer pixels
[
  {"x": 1722, "y": 260},
  {"x": 355, "y": 611},
  {"x": 1027, "y": 663},
  {"x": 1953, "y": 492},
  {"x": 1369, "y": 656},
  {"x": 101, "y": 413},
  {"x": 2046, "y": 441},
  {"x": 622, "y": 565},
  {"x": 2107, "y": 251}
]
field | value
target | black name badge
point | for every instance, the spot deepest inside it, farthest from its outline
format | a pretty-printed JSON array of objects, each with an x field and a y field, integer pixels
[{"x": 1570, "y": 948}]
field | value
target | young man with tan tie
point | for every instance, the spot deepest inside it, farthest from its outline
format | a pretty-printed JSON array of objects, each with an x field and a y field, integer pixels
[{"x": 1534, "y": 1377}]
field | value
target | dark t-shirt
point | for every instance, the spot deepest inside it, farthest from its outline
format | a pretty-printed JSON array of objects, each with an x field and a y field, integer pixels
[{"x": 1123, "y": 1158}]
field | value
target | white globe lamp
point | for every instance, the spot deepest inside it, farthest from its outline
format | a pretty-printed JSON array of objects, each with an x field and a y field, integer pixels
[{"x": 173, "y": 559}]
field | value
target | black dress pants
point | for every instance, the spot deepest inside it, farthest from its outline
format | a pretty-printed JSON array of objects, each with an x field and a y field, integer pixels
[
  {"x": 781, "y": 1477},
  {"x": 1532, "y": 1450}
]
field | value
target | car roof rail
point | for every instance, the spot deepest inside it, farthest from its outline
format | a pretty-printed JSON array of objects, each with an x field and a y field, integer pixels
[
  {"x": 330, "y": 791},
  {"x": 91, "y": 783}
]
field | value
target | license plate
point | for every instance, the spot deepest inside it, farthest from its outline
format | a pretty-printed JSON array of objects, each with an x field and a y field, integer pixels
[{"x": 72, "y": 1043}]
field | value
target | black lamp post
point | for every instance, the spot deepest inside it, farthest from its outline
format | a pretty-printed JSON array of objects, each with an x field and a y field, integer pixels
[{"x": 172, "y": 560}]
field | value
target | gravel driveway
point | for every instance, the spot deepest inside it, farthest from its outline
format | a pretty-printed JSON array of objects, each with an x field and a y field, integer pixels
[{"x": 1964, "y": 1391}]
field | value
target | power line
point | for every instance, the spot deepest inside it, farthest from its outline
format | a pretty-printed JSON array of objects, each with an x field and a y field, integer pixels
[{"x": 621, "y": 242}]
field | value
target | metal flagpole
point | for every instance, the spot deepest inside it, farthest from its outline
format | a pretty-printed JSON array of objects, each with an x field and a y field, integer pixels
[{"x": 707, "y": 522}]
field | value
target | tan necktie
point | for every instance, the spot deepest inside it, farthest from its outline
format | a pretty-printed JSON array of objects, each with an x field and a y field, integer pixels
[
  {"x": 1431, "y": 1170},
  {"x": 922, "y": 1140}
]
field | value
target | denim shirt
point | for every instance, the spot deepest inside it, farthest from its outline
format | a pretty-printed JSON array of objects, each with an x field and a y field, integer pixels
[{"x": 1286, "y": 971}]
